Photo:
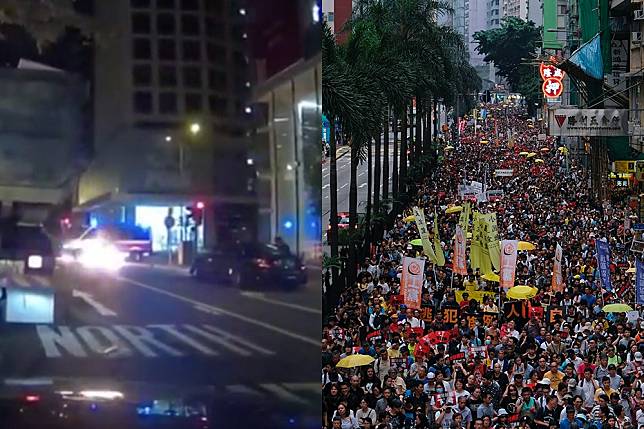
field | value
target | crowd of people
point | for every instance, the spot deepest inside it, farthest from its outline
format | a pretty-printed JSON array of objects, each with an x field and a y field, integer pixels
[{"x": 470, "y": 357}]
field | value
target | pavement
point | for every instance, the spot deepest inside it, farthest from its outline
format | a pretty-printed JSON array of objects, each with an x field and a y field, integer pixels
[
  {"x": 155, "y": 324},
  {"x": 343, "y": 165}
]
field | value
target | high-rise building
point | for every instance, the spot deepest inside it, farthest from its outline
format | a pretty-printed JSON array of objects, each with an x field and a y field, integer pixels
[
  {"x": 494, "y": 14},
  {"x": 337, "y": 13},
  {"x": 170, "y": 83}
]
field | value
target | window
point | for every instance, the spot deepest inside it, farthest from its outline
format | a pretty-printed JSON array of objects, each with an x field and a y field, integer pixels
[
  {"x": 330, "y": 16},
  {"x": 563, "y": 9},
  {"x": 167, "y": 76},
  {"x": 191, "y": 50},
  {"x": 142, "y": 74},
  {"x": 168, "y": 103},
  {"x": 192, "y": 77},
  {"x": 194, "y": 103},
  {"x": 167, "y": 49},
  {"x": 165, "y": 4},
  {"x": 216, "y": 53},
  {"x": 190, "y": 25},
  {"x": 142, "y": 50},
  {"x": 140, "y": 4},
  {"x": 214, "y": 28},
  {"x": 217, "y": 80},
  {"x": 166, "y": 23},
  {"x": 218, "y": 105},
  {"x": 190, "y": 4},
  {"x": 141, "y": 23},
  {"x": 142, "y": 102}
]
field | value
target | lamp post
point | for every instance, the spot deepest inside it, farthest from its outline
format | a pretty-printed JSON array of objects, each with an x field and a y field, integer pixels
[{"x": 193, "y": 130}]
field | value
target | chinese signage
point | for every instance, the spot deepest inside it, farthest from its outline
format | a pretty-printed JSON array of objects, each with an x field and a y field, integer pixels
[
  {"x": 639, "y": 281},
  {"x": 603, "y": 263},
  {"x": 619, "y": 58},
  {"x": 552, "y": 80},
  {"x": 588, "y": 122},
  {"x": 411, "y": 283}
]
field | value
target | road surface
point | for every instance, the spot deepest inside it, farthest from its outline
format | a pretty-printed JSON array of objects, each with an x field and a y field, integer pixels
[
  {"x": 344, "y": 179},
  {"x": 147, "y": 324}
]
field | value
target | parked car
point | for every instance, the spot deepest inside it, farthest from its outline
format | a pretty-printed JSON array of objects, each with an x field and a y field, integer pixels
[{"x": 248, "y": 264}]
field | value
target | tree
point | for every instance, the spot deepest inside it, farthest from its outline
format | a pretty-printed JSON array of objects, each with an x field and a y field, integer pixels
[
  {"x": 45, "y": 20},
  {"x": 512, "y": 48}
]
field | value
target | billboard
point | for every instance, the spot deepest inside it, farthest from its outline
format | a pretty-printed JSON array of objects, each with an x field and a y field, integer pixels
[{"x": 588, "y": 122}]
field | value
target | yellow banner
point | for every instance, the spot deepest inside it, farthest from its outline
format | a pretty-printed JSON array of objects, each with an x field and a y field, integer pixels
[
  {"x": 475, "y": 294},
  {"x": 493, "y": 246},
  {"x": 424, "y": 234},
  {"x": 438, "y": 250},
  {"x": 475, "y": 246},
  {"x": 464, "y": 218}
]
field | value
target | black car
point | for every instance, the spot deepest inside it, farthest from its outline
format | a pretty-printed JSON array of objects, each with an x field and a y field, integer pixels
[{"x": 248, "y": 264}]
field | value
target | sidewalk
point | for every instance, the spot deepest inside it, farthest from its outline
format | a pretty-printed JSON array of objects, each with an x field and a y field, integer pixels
[{"x": 339, "y": 153}]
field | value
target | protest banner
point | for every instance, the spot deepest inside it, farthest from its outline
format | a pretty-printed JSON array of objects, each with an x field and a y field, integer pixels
[
  {"x": 424, "y": 234},
  {"x": 557, "y": 277},
  {"x": 603, "y": 263},
  {"x": 476, "y": 295},
  {"x": 411, "y": 282},
  {"x": 639, "y": 281},
  {"x": 460, "y": 262},
  {"x": 493, "y": 245},
  {"x": 438, "y": 248},
  {"x": 508, "y": 263}
]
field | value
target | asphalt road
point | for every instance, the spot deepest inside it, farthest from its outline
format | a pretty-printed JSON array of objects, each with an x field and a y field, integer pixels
[
  {"x": 344, "y": 179},
  {"x": 259, "y": 348}
]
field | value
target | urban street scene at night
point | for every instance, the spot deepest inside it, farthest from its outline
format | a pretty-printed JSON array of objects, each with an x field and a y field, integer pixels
[
  {"x": 160, "y": 204},
  {"x": 482, "y": 214}
]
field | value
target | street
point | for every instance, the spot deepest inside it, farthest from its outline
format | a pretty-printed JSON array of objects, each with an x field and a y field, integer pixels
[
  {"x": 158, "y": 325},
  {"x": 344, "y": 179}
]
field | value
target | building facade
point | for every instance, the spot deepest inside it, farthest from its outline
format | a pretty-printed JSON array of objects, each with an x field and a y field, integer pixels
[{"x": 170, "y": 82}]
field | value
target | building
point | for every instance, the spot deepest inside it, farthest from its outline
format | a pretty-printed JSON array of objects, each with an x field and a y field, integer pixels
[
  {"x": 170, "y": 89},
  {"x": 337, "y": 13},
  {"x": 494, "y": 15},
  {"x": 288, "y": 134}
]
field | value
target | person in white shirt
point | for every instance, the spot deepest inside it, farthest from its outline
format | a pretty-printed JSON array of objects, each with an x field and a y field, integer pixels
[{"x": 416, "y": 321}]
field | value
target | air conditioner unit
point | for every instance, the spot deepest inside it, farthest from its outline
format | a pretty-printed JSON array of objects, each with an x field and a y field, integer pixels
[
  {"x": 636, "y": 37},
  {"x": 638, "y": 14}
]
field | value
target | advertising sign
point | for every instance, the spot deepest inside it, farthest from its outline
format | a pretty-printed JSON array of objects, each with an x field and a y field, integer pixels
[
  {"x": 588, "y": 122},
  {"x": 411, "y": 282}
]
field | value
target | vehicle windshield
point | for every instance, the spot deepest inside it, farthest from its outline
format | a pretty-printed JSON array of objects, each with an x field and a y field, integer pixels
[{"x": 160, "y": 213}]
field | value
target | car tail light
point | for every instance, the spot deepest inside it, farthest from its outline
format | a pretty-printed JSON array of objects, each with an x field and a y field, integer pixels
[
  {"x": 32, "y": 398},
  {"x": 262, "y": 263},
  {"x": 34, "y": 262}
]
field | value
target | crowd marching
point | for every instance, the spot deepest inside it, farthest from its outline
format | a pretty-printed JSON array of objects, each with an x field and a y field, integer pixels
[{"x": 461, "y": 350}]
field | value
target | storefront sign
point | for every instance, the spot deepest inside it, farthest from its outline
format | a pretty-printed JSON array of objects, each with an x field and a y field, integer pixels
[{"x": 588, "y": 122}]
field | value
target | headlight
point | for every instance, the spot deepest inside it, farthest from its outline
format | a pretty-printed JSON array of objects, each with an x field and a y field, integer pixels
[{"x": 34, "y": 262}]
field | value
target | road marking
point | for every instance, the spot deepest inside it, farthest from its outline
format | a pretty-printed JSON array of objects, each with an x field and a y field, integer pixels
[
  {"x": 325, "y": 186},
  {"x": 228, "y": 313},
  {"x": 89, "y": 300},
  {"x": 362, "y": 186},
  {"x": 221, "y": 341},
  {"x": 170, "y": 329},
  {"x": 237, "y": 339},
  {"x": 240, "y": 389},
  {"x": 50, "y": 340},
  {"x": 114, "y": 347},
  {"x": 262, "y": 297},
  {"x": 141, "y": 338},
  {"x": 282, "y": 393},
  {"x": 207, "y": 310},
  {"x": 344, "y": 186},
  {"x": 361, "y": 174}
]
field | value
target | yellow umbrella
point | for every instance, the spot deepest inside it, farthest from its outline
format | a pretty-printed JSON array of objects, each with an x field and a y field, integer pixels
[
  {"x": 491, "y": 277},
  {"x": 531, "y": 154},
  {"x": 631, "y": 270},
  {"x": 485, "y": 141},
  {"x": 616, "y": 308},
  {"x": 545, "y": 149},
  {"x": 352, "y": 361},
  {"x": 453, "y": 209},
  {"x": 449, "y": 147},
  {"x": 563, "y": 149},
  {"x": 523, "y": 153},
  {"x": 525, "y": 245},
  {"x": 539, "y": 160},
  {"x": 522, "y": 292},
  {"x": 410, "y": 218}
]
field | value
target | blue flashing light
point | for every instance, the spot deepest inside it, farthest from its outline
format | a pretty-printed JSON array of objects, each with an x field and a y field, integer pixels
[
  {"x": 93, "y": 221},
  {"x": 93, "y": 406},
  {"x": 288, "y": 224}
]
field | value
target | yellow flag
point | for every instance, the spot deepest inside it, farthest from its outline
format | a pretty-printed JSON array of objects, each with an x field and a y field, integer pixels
[
  {"x": 493, "y": 246},
  {"x": 484, "y": 261},
  {"x": 424, "y": 234},
  {"x": 464, "y": 218},
  {"x": 475, "y": 246},
  {"x": 438, "y": 250}
]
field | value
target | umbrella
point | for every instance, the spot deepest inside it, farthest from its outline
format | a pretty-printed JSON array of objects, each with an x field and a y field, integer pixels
[
  {"x": 563, "y": 149},
  {"x": 616, "y": 308},
  {"x": 485, "y": 141},
  {"x": 539, "y": 160},
  {"x": 416, "y": 242},
  {"x": 531, "y": 154},
  {"x": 522, "y": 292},
  {"x": 491, "y": 277},
  {"x": 525, "y": 245},
  {"x": 352, "y": 361},
  {"x": 410, "y": 218},
  {"x": 545, "y": 149},
  {"x": 449, "y": 147},
  {"x": 523, "y": 153},
  {"x": 454, "y": 209}
]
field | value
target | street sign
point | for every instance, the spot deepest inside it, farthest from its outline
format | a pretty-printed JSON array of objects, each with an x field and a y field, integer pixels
[{"x": 169, "y": 222}]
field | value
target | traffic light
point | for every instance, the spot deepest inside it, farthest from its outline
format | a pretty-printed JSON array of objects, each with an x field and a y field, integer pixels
[{"x": 195, "y": 212}]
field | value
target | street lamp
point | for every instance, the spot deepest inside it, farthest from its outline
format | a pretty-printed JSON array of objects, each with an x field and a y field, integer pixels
[{"x": 195, "y": 128}]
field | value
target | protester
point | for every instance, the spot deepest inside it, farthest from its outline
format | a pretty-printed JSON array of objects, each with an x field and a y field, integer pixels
[{"x": 469, "y": 356}]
